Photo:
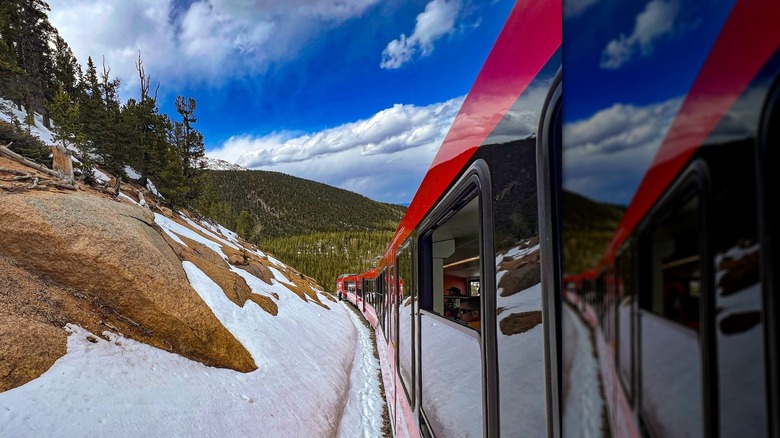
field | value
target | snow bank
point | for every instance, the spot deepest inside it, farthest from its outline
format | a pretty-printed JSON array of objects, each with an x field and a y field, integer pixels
[{"x": 38, "y": 130}]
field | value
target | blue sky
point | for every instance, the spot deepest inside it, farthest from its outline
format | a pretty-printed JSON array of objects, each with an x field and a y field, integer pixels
[
  {"x": 354, "y": 93},
  {"x": 628, "y": 67}
]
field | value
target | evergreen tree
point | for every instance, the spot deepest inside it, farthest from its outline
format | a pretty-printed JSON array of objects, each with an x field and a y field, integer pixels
[
  {"x": 28, "y": 32},
  {"x": 9, "y": 69},
  {"x": 172, "y": 182},
  {"x": 188, "y": 140},
  {"x": 245, "y": 225},
  {"x": 67, "y": 130},
  {"x": 67, "y": 71}
]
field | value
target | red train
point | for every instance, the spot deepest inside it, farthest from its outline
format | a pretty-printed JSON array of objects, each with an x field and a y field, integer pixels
[{"x": 599, "y": 267}]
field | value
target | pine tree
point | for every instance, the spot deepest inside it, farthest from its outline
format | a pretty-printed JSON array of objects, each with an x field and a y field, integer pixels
[
  {"x": 28, "y": 32},
  {"x": 9, "y": 69},
  {"x": 188, "y": 139},
  {"x": 245, "y": 224},
  {"x": 67, "y": 130}
]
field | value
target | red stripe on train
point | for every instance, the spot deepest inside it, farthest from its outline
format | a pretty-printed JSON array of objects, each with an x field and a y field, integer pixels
[
  {"x": 533, "y": 25},
  {"x": 745, "y": 44}
]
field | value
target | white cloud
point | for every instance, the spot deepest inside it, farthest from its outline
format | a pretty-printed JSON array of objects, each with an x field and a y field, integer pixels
[
  {"x": 656, "y": 20},
  {"x": 205, "y": 41},
  {"x": 383, "y": 157},
  {"x": 605, "y": 156},
  {"x": 437, "y": 20}
]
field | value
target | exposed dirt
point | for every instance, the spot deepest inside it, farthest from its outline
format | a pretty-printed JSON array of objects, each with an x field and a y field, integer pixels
[
  {"x": 521, "y": 274},
  {"x": 517, "y": 323},
  {"x": 214, "y": 266}
]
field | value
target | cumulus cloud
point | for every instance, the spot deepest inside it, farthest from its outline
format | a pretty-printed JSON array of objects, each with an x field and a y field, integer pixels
[
  {"x": 203, "y": 41},
  {"x": 383, "y": 157},
  {"x": 656, "y": 20},
  {"x": 437, "y": 20},
  {"x": 606, "y": 155},
  {"x": 522, "y": 119}
]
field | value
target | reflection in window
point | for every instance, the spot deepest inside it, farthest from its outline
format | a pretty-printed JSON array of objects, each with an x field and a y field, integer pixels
[
  {"x": 405, "y": 318},
  {"x": 451, "y": 361},
  {"x": 671, "y": 352},
  {"x": 625, "y": 312},
  {"x": 675, "y": 272}
]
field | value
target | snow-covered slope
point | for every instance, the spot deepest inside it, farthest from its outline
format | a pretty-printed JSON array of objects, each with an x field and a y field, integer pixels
[
  {"x": 310, "y": 380},
  {"x": 8, "y": 112},
  {"x": 217, "y": 164},
  {"x": 108, "y": 384}
]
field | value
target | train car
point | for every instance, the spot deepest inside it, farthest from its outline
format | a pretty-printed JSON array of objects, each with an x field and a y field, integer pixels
[
  {"x": 469, "y": 242},
  {"x": 617, "y": 250},
  {"x": 665, "y": 234},
  {"x": 345, "y": 287}
]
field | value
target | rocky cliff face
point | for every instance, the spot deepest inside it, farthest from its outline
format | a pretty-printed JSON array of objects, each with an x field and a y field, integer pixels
[{"x": 84, "y": 258}]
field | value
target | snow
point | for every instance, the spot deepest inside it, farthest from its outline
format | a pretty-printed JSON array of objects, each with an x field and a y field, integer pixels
[
  {"x": 174, "y": 230},
  {"x": 132, "y": 173},
  {"x": 359, "y": 417},
  {"x": 316, "y": 376},
  {"x": 278, "y": 276},
  {"x": 153, "y": 189},
  {"x": 583, "y": 401},
  {"x": 123, "y": 196},
  {"x": 217, "y": 164},
  {"x": 203, "y": 230},
  {"x": 100, "y": 176},
  {"x": 40, "y": 131},
  {"x": 276, "y": 262}
]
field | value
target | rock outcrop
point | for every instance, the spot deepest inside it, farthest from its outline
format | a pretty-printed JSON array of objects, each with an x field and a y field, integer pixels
[{"x": 111, "y": 269}]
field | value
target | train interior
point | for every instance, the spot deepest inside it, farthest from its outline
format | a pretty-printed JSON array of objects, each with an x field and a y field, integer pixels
[{"x": 456, "y": 266}]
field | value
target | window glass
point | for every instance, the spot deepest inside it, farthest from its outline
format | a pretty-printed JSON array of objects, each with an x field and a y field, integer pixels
[
  {"x": 451, "y": 360},
  {"x": 671, "y": 375},
  {"x": 739, "y": 320},
  {"x": 405, "y": 319},
  {"x": 625, "y": 311}
]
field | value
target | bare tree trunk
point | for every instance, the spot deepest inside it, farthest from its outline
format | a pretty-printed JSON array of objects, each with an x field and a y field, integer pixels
[{"x": 63, "y": 163}]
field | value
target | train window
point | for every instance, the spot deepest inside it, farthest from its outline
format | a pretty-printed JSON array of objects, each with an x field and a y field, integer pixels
[
  {"x": 473, "y": 287},
  {"x": 675, "y": 276},
  {"x": 368, "y": 290},
  {"x": 671, "y": 351},
  {"x": 406, "y": 311},
  {"x": 380, "y": 301},
  {"x": 451, "y": 359},
  {"x": 626, "y": 307}
]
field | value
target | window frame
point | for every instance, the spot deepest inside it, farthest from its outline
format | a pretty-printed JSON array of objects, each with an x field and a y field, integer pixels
[
  {"x": 409, "y": 284},
  {"x": 549, "y": 156},
  {"x": 694, "y": 181},
  {"x": 474, "y": 182}
]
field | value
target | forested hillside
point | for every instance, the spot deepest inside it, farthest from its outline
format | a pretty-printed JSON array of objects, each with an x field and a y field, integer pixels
[
  {"x": 322, "y": 230},
  {"x": 589, "y": 222}
]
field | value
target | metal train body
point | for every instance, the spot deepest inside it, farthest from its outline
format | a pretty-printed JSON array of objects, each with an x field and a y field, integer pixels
[{"x": 618, "y": 246}]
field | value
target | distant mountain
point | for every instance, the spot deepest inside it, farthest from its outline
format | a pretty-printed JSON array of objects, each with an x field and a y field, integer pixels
[
  {"x": 321, "y": 230},
  {"x": 217, "y": 164},
  {"x": 287, "y": 206}
]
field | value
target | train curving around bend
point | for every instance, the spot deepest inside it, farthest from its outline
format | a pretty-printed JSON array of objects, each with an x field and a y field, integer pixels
[{"x": 603, "y": 266}]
